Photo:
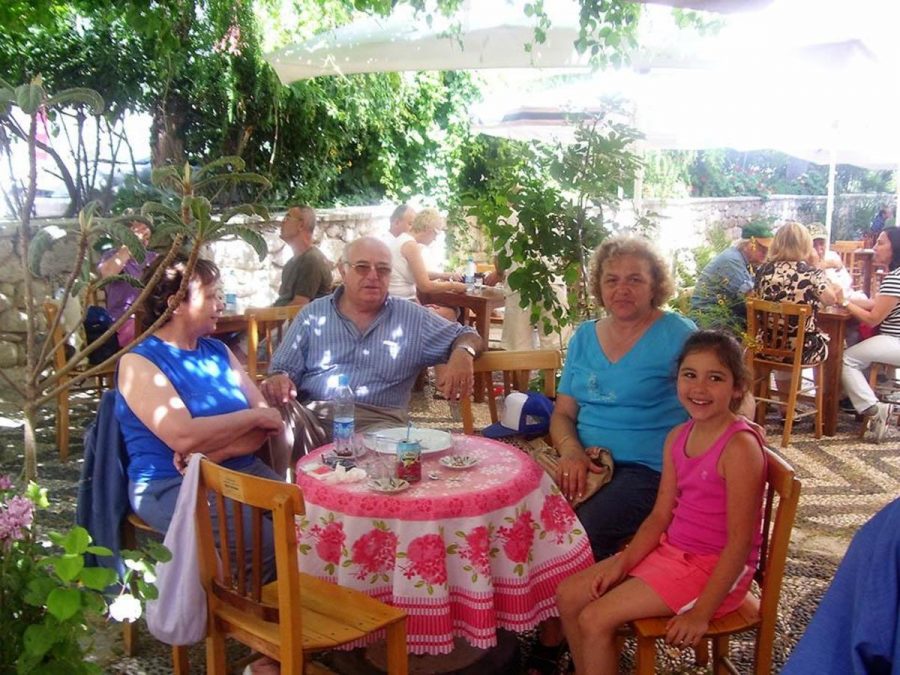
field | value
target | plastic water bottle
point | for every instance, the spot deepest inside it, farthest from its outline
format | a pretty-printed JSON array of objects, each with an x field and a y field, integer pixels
[
  {"x": 470, "y": 273},
  {"x": 344, "y": 415}
]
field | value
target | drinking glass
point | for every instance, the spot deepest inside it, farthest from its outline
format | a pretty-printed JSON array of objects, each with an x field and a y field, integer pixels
[{"x": 479, "y": 282}]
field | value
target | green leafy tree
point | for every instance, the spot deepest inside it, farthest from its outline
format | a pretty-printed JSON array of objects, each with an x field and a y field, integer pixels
[
  {"x": 185, "y": 218},
  {"x": 544, "y": 208}
]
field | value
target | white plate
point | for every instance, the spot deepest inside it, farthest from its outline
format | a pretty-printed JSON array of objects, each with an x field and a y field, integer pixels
[
  {"x": 387, "y": 485},
  {"x": 432, "y": 440},
  {"x": 459, "y": 461}
]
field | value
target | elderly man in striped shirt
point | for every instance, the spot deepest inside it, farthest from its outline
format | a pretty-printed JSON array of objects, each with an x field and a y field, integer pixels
[{"x": 380, "y": 343}]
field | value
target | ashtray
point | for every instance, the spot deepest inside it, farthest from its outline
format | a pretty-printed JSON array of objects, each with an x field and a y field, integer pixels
[
  {"x": 387, "y": 485},
  {"x": 458, "y": 461}
]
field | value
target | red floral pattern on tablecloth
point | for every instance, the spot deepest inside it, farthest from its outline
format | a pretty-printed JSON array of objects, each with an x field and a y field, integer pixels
[
  {"x": 558, "y": 519},
  {"x": 465, "y": 555},
  {"x": 476, "y": 550},
  {"x": 427, "y": 560},
  {"x": 374, "y": 552},
  {"x": 518, "y": 539}
]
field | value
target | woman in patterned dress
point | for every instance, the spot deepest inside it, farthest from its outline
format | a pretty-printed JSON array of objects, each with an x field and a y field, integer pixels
[{"x": 788, "y": 276}]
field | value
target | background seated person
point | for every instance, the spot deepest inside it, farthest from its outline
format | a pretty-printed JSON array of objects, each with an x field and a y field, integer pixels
[
  {"x": 180, "y": 393},
  {"x": 381, "y": 343},
  {"x": 883, "y": 311},
  {"x": 120, "y": 295},
  {"x": 719, "y": 297},
  {"x": 786, "y": 276},
  {"x": 307, "y": 275},
  {"x": 831, "y": 262},
  {"x": 409, "y": 274}
]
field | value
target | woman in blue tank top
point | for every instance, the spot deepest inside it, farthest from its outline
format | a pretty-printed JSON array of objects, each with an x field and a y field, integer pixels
[{"x": 180, "y": 393}]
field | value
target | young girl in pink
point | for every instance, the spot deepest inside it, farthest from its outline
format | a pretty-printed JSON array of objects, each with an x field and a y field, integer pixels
[{"x": 693, "y": 557}]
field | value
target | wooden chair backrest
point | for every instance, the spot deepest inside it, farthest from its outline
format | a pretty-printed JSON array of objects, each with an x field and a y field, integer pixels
[
  {"x": 224, "y": 561},
  {"x": 847, "y": 250},
  {"x": 515, "y": 366},
  {"x": 51, "y": 309},
  {"x": 769, "y": 328},
  {"x": 780, "y": 509},
  {"x": 265, "y": 324}
]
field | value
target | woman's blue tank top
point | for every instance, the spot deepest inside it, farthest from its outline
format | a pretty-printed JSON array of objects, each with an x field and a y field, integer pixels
[{"x": 206, "y": 384}]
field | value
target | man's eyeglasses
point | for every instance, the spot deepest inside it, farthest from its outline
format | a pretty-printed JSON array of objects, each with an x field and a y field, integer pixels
[{"x": 363, "y": 269}]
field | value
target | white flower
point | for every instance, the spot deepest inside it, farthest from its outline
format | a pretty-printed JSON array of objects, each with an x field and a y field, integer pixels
[{"x": 125, "y": 608}]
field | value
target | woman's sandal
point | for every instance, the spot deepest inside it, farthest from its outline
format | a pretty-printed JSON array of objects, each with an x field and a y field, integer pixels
[{"x": 544, "y": 659}]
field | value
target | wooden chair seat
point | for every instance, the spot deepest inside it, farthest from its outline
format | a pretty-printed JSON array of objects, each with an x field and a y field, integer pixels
[
  {"x": 760, "y": 614},
  {"x": 288, "y": 618}
]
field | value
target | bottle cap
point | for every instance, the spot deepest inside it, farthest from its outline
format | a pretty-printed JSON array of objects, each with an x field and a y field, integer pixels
[{"x": 343, "y": 380}]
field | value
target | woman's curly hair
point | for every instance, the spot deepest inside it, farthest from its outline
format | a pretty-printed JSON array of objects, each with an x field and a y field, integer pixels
[
  {"x": 158, "y": 301},
  {"x": 613, "y": 247}
]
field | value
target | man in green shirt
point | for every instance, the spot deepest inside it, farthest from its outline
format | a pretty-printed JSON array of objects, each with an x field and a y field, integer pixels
[{"x": 307, "y": 275}]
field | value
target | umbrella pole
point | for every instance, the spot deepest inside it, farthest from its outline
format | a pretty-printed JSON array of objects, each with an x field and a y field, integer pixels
[{"x": 829, "y": 201}]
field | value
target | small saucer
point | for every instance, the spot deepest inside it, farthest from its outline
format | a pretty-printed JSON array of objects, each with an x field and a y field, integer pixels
[
  {"x": 387, "y": 485},
  {"x": 458, "y": 461}
]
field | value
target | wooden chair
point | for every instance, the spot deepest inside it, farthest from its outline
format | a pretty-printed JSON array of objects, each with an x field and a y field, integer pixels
[
  {"x": 267, "y": 325},
  {"x": 130, "y": 527},
  {"x": 294, "y": 615},
  {"x": 759, "y": 614},
  {"x": 516, "y": 367},
  {"x": 103, "y": 380},
  {"x": 769, "y": 327}
]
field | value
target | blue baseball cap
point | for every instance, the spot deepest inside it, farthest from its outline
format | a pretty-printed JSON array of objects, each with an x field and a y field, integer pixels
[{"x": 527, "y": 414}]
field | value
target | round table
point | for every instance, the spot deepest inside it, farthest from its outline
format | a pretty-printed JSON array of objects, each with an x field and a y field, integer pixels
[{"x": 465, "y": 554}]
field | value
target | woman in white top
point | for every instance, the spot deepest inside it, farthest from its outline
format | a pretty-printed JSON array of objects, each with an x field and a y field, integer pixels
[
  {"x": 883, "y": 311},
  {"x": 409, "y": 274}
]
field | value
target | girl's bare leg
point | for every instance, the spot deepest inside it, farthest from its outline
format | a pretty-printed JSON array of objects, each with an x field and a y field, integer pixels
[{"x": 597, "y": 622}]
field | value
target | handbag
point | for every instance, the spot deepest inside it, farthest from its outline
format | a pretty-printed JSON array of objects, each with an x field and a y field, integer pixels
[
  {"x": 548, "y": 458},
  {"x": 178, "y": 615}
]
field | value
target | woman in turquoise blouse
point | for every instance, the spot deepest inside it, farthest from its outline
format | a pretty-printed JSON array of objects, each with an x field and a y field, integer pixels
[{"x": 618, "y": 390}]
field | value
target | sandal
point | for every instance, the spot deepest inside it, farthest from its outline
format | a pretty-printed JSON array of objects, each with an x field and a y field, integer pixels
[{"x": 544, "y": 659}]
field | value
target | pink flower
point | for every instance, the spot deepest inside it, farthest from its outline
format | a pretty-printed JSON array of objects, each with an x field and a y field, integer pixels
[
  {"x": 374, "y": 552},
  {"x": 556, "y": 516},
  {"x": 5, "y": 482},
  {"x": 17, "y": 516},
  {"x": 478, "y": 549},
  {"x": 518, "y": 538},
  {"x": 329, "y": 541},
  {"x": 427, "y": 559}
]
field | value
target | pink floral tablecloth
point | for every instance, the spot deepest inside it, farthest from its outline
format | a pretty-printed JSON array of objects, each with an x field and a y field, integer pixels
[{"x": 465, "y": 554}]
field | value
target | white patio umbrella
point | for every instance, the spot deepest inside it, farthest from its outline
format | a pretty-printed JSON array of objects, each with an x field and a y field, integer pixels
[{"x": 482, "y": 34}]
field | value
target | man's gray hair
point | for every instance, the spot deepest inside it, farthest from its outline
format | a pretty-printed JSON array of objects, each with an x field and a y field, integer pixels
[
  {"x": 349, "y": 246},
  {"x": 399, "y": 212}
]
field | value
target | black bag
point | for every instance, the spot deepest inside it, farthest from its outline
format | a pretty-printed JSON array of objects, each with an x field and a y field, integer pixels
[{"x": 96, "y": 322}]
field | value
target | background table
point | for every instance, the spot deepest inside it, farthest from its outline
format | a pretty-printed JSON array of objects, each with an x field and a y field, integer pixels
[
  {"x": 477, "y": 550},
  {"x": 833, "y": 322},
  {"x": 481, "y": 302}
]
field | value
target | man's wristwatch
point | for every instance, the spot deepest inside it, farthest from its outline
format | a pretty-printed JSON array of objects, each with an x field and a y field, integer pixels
[{"x": 468, "y": 349}]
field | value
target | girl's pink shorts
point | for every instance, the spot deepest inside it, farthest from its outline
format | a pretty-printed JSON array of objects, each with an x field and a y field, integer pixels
[{"x": 679, "y": 577}]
